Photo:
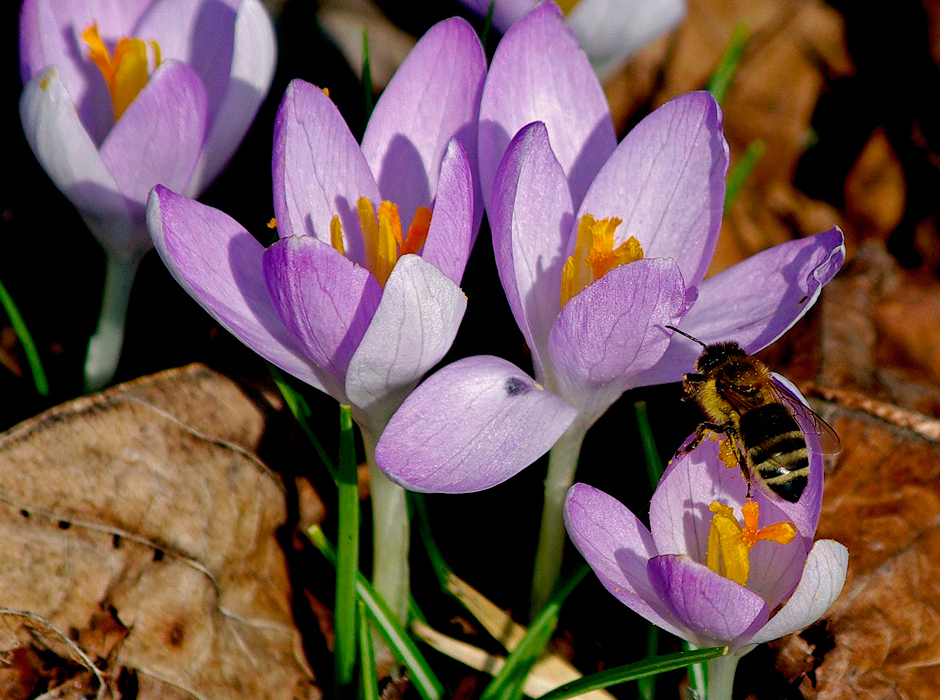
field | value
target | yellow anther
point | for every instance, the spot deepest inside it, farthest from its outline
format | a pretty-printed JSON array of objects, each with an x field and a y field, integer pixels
[
  {"x": 272, "y": 223},
  {"x": 126, "y": 73},
  {"x": 567, "y": 5},
  {"x": 336, "y": 235},
  {"x": 594, "y": 255},
  {"x": 729, "y": 545},
  {"x": 382, "y": 236}
]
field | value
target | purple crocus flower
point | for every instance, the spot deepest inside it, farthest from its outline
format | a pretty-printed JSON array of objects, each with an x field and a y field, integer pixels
[
  {"x": 666, "y": 182},
  {"x": 122, "y": 96},
  {"x": 699, "y": 573},
  {"x": 350, "y": 300},
  {"x": 609, "y": 30},
  {"x": 599, "y": 247}
]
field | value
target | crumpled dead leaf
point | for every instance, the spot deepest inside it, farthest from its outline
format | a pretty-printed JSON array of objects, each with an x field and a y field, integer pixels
[
  {"x": 140, "y": 525},
  {"x": 879, "y": 640},
  {"x": 792, "y": 50}
]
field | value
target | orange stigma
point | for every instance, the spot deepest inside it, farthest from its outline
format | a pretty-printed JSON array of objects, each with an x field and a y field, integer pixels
[
  {"x": 382, "y": 235},
  {"x": 730, "y": 544}
]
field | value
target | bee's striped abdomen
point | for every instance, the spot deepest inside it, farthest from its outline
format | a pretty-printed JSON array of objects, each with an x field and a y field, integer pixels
[{"x": 776, "y": 450}]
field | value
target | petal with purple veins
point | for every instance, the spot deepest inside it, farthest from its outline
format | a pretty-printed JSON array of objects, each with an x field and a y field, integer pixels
[
  {"x": 433, "y": 97},
  {"x": 324, "y": 300},
  {"x": 412, "y": 328},
  {"x": 175, "y": 24},
  {"x": 530, "y": 216},
  {"x": 539, "y": 73},
  {"x": 252, "y": 69},
  {"x": 613, "y": 330},
  {"x": 754, "y": 302},
  {"x": 714, "y": 609},
  {"x": 159, "y": 137},
  {"x": 449, "y": 238},
  {"x": 219, "y": 264},
  {"x": 470, "y": 426},
  {"x": 666, "y": 181},
  {"x": 319, "y": 171},
  {"x": 820, "y": 585},
  {"x": 618, "y": 547},
  {"x": 69, "y": 157}
]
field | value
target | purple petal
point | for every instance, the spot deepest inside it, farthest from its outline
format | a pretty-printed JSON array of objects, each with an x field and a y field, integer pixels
[
  {"x": 470, "y": 426},
  {"x": 160, "y": 136},
  {"x": 530, "y": 216},
  {"x": 220, "y": 265},
  {"x": 324, "y": 300},
  {"x": 618, "y": 548},
  {"x": 612, "y": 30},
  {"x": 70, "y": 159},
  {"x": 433, "y": 97},
  {"x": 200, "y": 34},
  {"x": 754, "y": 302},
  {"x": 449, "y": 238},
  {"x": 715, "y": 609},
  {"x": 666, "y": 181},
  {"x": 539, "y": 73},
  {"x": 319, "y": 171},
  {"x": 252, "y": 69},
  {"x": 413, "y": 327},
  {"x": 613, "y": 330},
  {"x": 819, "y": 587}
]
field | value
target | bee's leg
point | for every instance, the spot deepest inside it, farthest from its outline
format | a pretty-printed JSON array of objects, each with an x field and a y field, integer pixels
[
  {"x": 735, "y": 445},
  {"x": 703, "y": 430}
]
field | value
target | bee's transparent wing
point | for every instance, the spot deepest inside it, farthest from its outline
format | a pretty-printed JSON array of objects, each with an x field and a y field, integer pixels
[{"x": 829, "y": 443}]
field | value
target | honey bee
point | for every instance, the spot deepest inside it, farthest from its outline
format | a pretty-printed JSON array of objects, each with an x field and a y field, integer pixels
[{"x": 740, "y": 400}]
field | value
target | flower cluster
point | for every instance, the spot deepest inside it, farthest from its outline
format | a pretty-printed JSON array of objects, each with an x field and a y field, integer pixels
[{"x": 601, "y": 247}]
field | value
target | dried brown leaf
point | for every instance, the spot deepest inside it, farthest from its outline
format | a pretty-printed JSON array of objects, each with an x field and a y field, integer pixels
[
  {"x": 882, "y": 501},
  {"x": 875, "y": 190},
  {"x": 140, "y": 522}
]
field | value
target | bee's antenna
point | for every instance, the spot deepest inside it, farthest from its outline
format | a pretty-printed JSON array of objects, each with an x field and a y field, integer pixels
[{"x": 690, "y": 337}]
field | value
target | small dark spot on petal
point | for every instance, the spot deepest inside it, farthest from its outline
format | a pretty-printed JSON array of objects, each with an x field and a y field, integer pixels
[
  {"x": 803, "y": 300},
  {"x": 64, "y": 524},
  {"x": 516, "y": 386},
  {"x": 115, "y": 541},
  {"x": 158, "y": 555}
]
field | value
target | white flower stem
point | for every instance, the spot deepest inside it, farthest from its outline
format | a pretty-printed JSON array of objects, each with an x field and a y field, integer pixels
[
  {"x": 721, "y": 677},
  {"x": 562, "y": 463},
  {"x": 104, "y": 348},
  {"x": 391, "y": 535}
]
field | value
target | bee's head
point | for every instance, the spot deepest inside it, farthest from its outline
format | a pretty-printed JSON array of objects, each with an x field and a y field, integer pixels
[{"x": 716, "y": 355}]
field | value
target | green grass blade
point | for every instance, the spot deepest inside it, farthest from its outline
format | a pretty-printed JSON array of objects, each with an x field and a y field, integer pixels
[
  {"x": 301, "y": 411},
  {"x": 369, "y": 684},
  {"x": 347, "y": 564},
  {"x": 425, "y": 682},
  {"x": 647, "y": 684},
  {"x": 728, "y": 63},
  {"x": 530, "y": 648},
  {"x": 29, "y": 347},
  {"x": 487, "y": 26},
  {"x": 743, "y": 168},
  {"x": 367, "y": 88},
  {"x": 698, "y": 674},
  {"x": 420, "y": 510},
  {"x": 632, "y": 672},
  {"x": 654, "y": 464}
]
